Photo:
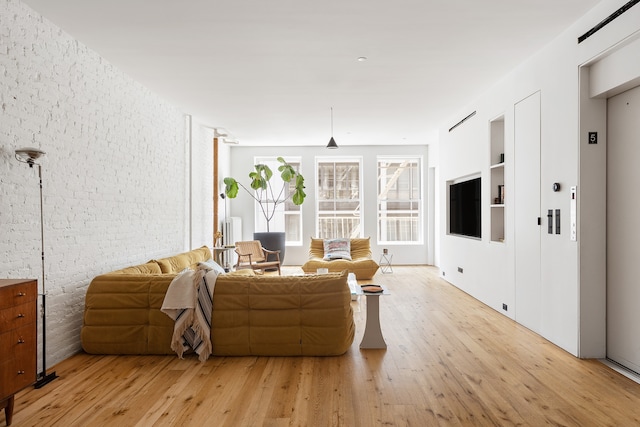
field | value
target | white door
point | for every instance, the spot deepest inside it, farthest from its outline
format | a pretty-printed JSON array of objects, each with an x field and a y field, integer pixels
[
  {"x": 623, "y": 230},
  {"x": 526, "y": 202}
]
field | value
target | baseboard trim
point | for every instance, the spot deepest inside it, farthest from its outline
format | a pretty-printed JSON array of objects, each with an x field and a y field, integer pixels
[{"x": 621, "y": 370}]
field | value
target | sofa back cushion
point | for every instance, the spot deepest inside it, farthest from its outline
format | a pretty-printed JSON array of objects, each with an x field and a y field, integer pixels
[
  {"x": 282, "y": 315},
  {"x": 316, "y": 248},
  {"x": 151, "y": 267},
  {"x": 177, "y": 263},
  {"x": 360, "y": 248}
]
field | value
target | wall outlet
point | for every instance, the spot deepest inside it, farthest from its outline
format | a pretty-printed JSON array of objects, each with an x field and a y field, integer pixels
[
  {"x": 504, "y": 307},
  {"x": 460, "y": 270}
]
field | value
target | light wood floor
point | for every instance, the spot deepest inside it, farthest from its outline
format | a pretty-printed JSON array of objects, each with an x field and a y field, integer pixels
[{"x": 450, "y": 361}]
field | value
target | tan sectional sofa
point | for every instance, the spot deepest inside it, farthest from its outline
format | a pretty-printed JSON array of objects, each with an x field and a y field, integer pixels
[
  {"x": 361, "y": 263},
  {"x": 252, "y": 314}
]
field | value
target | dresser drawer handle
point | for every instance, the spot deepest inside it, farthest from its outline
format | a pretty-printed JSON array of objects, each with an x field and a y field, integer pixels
[
  {"x": 22, "y": 294},
  {"x": 20, "y": 341},
  {"x": 20, "y": 315},
  {"x": 20, "y": 372}
]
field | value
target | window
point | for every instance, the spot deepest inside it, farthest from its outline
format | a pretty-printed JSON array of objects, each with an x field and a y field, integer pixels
[
  {"x": 288, "y": 216},
  {"x": 338, "y": 198},
  {"x": 399, "y": 200}
]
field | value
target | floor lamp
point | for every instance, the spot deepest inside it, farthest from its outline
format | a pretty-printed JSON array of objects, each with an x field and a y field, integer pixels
[{"x": 29, "y": 156}]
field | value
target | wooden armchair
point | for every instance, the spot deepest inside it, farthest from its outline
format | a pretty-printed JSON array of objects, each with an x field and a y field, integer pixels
[{"x": 251, "y": 254}]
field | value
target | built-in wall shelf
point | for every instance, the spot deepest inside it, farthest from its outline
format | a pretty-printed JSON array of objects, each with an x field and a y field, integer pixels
[{"x": 498, "y": 190}]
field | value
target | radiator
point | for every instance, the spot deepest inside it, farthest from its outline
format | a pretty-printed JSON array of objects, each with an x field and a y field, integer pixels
[{"x": 231, "y": 233}]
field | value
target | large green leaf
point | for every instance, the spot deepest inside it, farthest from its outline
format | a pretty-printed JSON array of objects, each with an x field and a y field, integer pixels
[
  {"x": 260, "y": 178},
  {"x": 299, "y": 194},
  {"x": 287, "y": 172},
  {"x": 231, "y": 187}
]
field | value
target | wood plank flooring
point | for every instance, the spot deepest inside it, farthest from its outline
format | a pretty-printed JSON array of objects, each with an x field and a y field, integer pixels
[{"x": 450, "y": 361}]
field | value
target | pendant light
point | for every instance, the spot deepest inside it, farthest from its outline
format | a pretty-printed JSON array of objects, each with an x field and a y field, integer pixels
[{"x": 332, "y": 142}]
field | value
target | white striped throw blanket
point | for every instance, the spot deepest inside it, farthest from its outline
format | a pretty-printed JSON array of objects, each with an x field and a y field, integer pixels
[{"x": 189, "y": 301}]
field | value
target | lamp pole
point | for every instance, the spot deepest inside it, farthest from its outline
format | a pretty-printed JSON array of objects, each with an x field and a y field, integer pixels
[{"x": 29, "y": 156}]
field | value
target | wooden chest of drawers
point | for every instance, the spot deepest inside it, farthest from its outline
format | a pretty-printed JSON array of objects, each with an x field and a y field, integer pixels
[{"x": 18, "y": 339}]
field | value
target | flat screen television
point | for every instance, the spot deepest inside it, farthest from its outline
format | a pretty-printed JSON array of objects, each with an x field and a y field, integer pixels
[{"x": 465, "y": 217}]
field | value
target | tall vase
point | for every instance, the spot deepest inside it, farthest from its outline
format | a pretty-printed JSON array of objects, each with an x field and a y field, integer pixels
[{"x": 272, "y": 240}]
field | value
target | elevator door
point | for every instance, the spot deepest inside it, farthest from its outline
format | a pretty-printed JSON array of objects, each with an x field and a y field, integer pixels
[{"x": 623, "y": 229}]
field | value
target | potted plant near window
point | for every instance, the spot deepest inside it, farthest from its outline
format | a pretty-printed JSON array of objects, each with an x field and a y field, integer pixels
[{"x": 262, "y": 190}]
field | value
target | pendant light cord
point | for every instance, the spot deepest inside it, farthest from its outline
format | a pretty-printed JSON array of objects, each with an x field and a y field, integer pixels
[{"x": 331, "y": 122}]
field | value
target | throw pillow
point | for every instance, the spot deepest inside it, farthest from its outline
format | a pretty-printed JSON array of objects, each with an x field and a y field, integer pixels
[
  {"x": 337, "y": 249},
  {"x": 211, "y": 265}
]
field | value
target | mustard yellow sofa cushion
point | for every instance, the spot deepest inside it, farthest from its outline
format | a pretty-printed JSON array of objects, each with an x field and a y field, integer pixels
[
  {"x": 282, "y": 315},
  {"x": 361, "y": 264},
  {"x": 151, "y": 267},
  {"x": 177, "y": 263},
  {"x": 252, "y": 314}
]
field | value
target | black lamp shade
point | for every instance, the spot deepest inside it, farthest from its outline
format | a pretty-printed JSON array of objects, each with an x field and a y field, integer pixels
[{"x": 332, "y": 143}]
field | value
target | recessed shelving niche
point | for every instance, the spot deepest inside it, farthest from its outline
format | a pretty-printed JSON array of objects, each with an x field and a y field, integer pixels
[{"x": 498, "y": 193}]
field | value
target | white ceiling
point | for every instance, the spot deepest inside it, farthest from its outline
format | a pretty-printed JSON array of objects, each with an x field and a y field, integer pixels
[{"x": 269, "y": 71}]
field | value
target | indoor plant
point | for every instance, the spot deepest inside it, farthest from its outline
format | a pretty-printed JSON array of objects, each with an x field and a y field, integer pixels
[{"x": 262, "y": 191}]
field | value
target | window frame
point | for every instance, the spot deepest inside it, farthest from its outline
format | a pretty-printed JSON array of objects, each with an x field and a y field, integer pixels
[
  {"x": 319, "y": 160},
  {"x": 419, "y": 202}
]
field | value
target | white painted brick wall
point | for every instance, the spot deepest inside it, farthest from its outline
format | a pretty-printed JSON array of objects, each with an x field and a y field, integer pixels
[{"x": 114, "y": 174}]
